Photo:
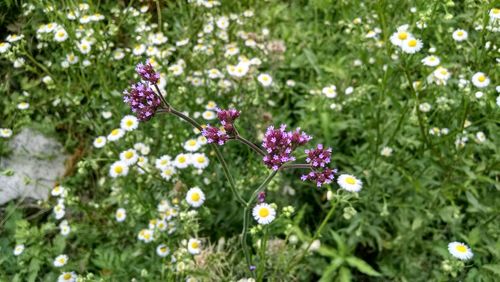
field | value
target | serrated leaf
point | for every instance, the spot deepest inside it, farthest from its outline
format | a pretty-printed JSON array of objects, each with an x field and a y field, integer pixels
[{"x": 362, "y": 266}]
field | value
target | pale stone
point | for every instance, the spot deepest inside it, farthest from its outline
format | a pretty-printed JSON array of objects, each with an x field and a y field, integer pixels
[{"x": 32, "y": 168}]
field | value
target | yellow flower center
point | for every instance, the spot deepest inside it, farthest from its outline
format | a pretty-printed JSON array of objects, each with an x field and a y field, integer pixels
[
  {"x": 460, "y": 33},
  {"x": 402, "y": 35},
  {"x": 182, "y": 159},
  {"x": 192, "y": 143},
  {"x": 200, "y": 159},
  {"x": 129, "y": 123},
  {"x": 129, "y": 154},
  {"x": 481, "y": 78},
  {"x": 67, "y": 276},
  {"x": 263, "y": 212},
  {"x": 61, "y": 260},
  {"x": 412, "y": 43},
  {"x": 350, "y": 180},
  {"x": 163, "y": 249},
  {"x": 461, "y": 248},
  {"x": 115, "y": 132},
  {"x": 496, "y": 11},
  {"x": 118, "y": 169},
  {"x": 60, "y": 33},
  {"x": 195, "y": 245},
  {"x": 195, "y": 197}
]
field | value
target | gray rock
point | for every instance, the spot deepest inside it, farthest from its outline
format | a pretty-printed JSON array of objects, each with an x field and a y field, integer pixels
[{"x": 34, "y": 165}]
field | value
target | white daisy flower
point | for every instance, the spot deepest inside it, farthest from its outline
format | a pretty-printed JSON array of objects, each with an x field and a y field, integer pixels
[
  {"x": 199, "y": 161},
  {"x": 431, "y": 61},
  {"x": 5, "y": 132},
  {"x": 192, "y": 145},
  {"x": 330, "y": 91},
  {"x": 146, "y": 235},
  {"x": 116, "y": 134},
  {"x": 18, "y": 249},
  {"x": 194, "y": 246},
  {"x": 400, "y": 36},
  {"x": 65, "y": 228},
  {"x": 265, "y": 79},
  {"x": 129, "y": 123},
  {"x": 162, "y": 250},
  {"x": 60, "y": 260},
  {"x": 209, "y": 115},
  {"x": 495, "y": 14},
  {"x": 211, "y": 105},
  {"x": 118, "y": 168},
  {"x": 99, "y": 142},
  {"x": 163, "y": 162},
  {"x": 195, "y": 197},
  {"x": 129, "y": 157},
  {"x": 14, "y": 37},
  {"x": 202, "y": 140},
  {"x": 60, "y": 35},
  {"x": 182, "y": 161},
  {"x": 161, "y": 225},
  {"x": 67, "y": 277},
  {"x": 72, "y": 58},
  {"x": 460, "y": 250},
  {"x": 139, "y": 49},
  {"x": 120, "y": 214},
  {"x": 412, "y": 45},
  {"x": 4, "y": 47},
  {"x": 59, "y": 211},
  {"x": 263, "y": 213},
  {"x": 386, "y": 152},
  {"x": 442, "y": 74},
  {"x": 176, "y": 69},
  {"x": 84, "y": 46},
  {"x": 349, "y": 183},
  {"x": 460, "y": 35},
  {"x": 167, "y": 172},
  {"x": 57, "y": 191},
  {"x": 23, "y": 106},
  {"x": 480, "y": 80}
]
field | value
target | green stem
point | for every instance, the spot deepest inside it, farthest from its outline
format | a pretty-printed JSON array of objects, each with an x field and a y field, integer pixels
[
  {"x": 262, "y": 260},
  {"x": 246, "y": 218},
  {"x": 316, "y": 235}
]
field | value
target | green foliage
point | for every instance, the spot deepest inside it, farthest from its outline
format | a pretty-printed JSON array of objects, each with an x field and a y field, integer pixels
[{"x": 430, "y": 176}]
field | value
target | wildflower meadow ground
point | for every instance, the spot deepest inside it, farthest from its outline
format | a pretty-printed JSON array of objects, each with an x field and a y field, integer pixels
[{"x": 252, "y": 140}]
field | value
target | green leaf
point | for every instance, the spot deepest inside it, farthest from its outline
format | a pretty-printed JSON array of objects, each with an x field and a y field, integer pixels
[
  {"x": 329, "y": 272},
  {"x": 495, "y": 268},
  {"x": 362, "y": 266},
  {"x": 345, "y": 274}
]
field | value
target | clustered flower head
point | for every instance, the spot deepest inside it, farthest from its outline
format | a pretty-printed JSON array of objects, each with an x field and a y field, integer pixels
[
  {"x": 214, "y": 135},
  {"x": 226, "y": 118},
  {"x": 280, "y": 145},
  {"x": 147, "y": 72},
  {"x": 318, "y": 157},
  {"x": 324, "y": 176},
  {"x": 142, "y": 100}
]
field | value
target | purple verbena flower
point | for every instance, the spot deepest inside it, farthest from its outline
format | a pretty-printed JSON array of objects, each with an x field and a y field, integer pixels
[
  {"x": 227, "y": 118},
  {"x": 325, "y": 176},
  {"x": 261, "y": 197},
  {"x": 142, "y": 100},
  {"x": 280, "y": 144},
  {"x": 214, "y": 135},
  {"x": 318, "y": 157},
  {"x": 147, "y": 72}
]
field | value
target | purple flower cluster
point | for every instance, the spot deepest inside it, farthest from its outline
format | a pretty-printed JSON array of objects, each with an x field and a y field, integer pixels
[
  {"x": 147, "y": 72},
  {"x": 318, "y": 157},
  {"x": 280, "y": 145},
  {"x": 142, "y": 100},
  {"x": 320, "y": 177},
  {"x": 227, "y": 118},
  {"x": 214, "y": 135}
]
